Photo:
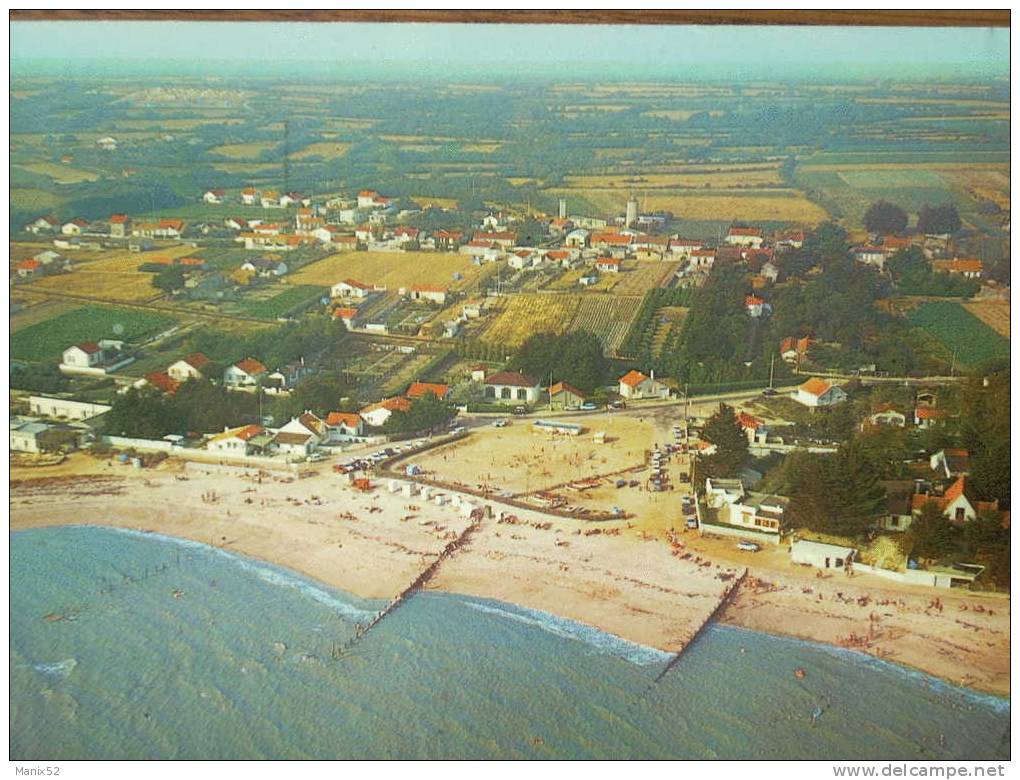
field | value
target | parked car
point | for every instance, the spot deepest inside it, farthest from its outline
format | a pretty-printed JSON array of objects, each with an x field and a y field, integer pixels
[
  {"x": 520, "y": 410},
  {"x": 692, "y": 522},
  {"x": 768, "y": 392},
  {"x": 588, "y": 406},
  {"x": 500, "y": 423},
  {"x": 747, "y": 546}
]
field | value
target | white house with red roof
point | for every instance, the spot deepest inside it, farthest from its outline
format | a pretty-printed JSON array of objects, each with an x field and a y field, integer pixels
[
  {"x": 817, "y": 392},
  {"x": 511, "y": 386},
  {"x": 351, "y": 288},
  {"x": 244, "y": 373},
  {"x": 745, "y": 236},
  {"x": 608, "y": 265},
  {"x": 378, "y": 413},
  {"x": 635, "y": 385},
  {"x": 235, "y": 441},
  {"x": 214, "y": 196},
  {"x": 344, "y": 425},
  {"x": 426, "y": 292},
  {"x": 701, "y": 259},
  {"x": 43, "y": 225},
  {"x": 422, "y": 389},
  {"x": 250, "y": 196},
  {"x": 188, "y": 367},
  {"x": 74, "y": 227},
  {"x": 83, "y": 355}
]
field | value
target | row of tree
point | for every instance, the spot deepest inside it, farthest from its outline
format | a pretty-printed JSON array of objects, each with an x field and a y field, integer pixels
[{"x": 885, "y": 218}]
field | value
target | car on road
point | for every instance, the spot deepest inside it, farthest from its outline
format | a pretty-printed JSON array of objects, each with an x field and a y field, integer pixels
[
  {"x": 588, "y": 406},
  {"x": 520, "y": 411},
  {"x": 500, "y": 423},
  {"x": 768, "y": 392},
  {"x": 747, "y": 546}
]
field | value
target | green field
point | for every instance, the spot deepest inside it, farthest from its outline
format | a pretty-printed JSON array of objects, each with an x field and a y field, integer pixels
[
  {"x": 956, "y": 329},
  {"x": 297, "y": 297},
  {"x": 45, "y": 341}
]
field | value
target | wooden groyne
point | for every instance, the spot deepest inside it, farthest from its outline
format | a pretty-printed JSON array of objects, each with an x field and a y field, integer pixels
[
  {"x": 724, "y": 601},
  {"x": 417, "y": 584}
]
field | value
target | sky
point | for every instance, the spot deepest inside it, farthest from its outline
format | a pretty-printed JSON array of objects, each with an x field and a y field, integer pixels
[{"x": 359, "y": 50}]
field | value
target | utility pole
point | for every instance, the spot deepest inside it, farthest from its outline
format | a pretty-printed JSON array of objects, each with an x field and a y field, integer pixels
[
  {"x": 952, "y": 366},
  {"x": 772, "y": 367}
]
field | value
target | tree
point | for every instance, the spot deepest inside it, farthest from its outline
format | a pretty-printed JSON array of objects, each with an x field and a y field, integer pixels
[
  {"x": 939, "y": 219},
  {"x": 170, "y": 279},
  {"x": 426, "y": 413},
  {"x": 931, "y": 534},
  {"x": 723, "y": 430},
  {"x": 885, "y": 217},
  {"x": 575, "y": 358}
]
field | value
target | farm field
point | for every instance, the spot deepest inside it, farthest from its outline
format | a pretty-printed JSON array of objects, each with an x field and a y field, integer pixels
[
  {"x": 114, "y": 287},
  {"x": 636, "y": 277},
  {"x": 735, "y": 176},
  {"x": 44, "y": 341},
  {"x": 994, "y": 314},
  {"x": 607, "y": 316},
  {"x": 520, "y": 459},
  {"x": 393, "y": 269},
  {"x": 243, "y": 151},
  {"x": 773, "y": 205},
  {"x": 329, "y": 150},
  {"x": 957, "y": 329},
  {"x": 282, "y": 303},
  {"x": 61, "y": 174}
]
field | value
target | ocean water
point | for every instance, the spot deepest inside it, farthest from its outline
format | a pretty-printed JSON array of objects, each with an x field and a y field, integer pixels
[{"x": 175, "y": 650}]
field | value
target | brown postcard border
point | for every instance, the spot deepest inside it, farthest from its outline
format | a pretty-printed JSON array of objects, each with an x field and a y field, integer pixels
[{"x": 856, "y": 17}]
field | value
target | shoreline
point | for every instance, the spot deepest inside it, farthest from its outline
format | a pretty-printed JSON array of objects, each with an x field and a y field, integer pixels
[{"x": 633, "y": 587}]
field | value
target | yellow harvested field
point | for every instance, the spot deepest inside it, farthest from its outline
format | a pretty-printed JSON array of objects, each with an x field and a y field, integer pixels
[
  {"x": 779, "y": 205},
  {"x": 113, "y": 287},
  {"x": 482, "y": 148},
  {"x": 392, "y": 269},
  {"x": 247, "y": 167},
  {"x": 62, "y": 174},
  {"x": 329, "y": 150},
  {"x": 526, "y": 314},
  {"x": 751, "y": 176},
  {"x": 522, "y": 459},
  {"x": 443, "y": 203},
  {"x": 995, "y": 314},
  {"x": 174, "y": 124},
  {"x": 241, "y": 151},
  {"x": 676, "y": 116},
  {"x": 928, "y": 166},
  {"x": 636, "y": 277},
  {"x": 517, "y": 181}
]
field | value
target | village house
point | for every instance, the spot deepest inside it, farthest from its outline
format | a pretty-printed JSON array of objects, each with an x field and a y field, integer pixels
[
  {"x": 42, "y": 225},
  {"x": 424, "y": 292},
  {"x": 873, "y": 256},
  {"x": 294, "y": 199},
  {"x": 790, "y": 239},
  {"x": 350, "y": 288},
  {"x": 702, "y": 260},
  {"x": 565, "y": 396},
  {"x": 83, "y": 355},
  {"x": 406, "y": 235},
  {"x": 348, "y": 314},
  {"x": 74, "y": 227},
  {"x": 35, "y": 436},
  {"x": 821, "y": 555},
  {"x": 244, "y": 373},
  {"x": 270, "y": 199},
  {"x": 107, "y": 143},
  {"x": 949, "y": 463},
  {"x": 160, "y": 380},
  {"x": 681, "y": 248},
  {"x": 214, "y": 196},
  {"x": 164, "y": 228},
  {"x": 971, "y": 269},
  {"x": 635, "y": 385},
  {"x": 957, "y": 503},
  {"x": 344, "y": 425},
  {"x": 732, "y": 505},
  {"x": 512, "y": 386},
  {"x": 237, "y": 441},
  {"x": 770, "y": 271},
  {"x": 422, "y": 389},
  {"x": 344, "y": 243},
  {"x": 370, "y": 199},
  {"x": 887, "y": 414},
  {"x": 926, "y": 417},
  {"x": 608, "y": 265},
  {"x": 301, "y": 436},
  {"x": 287, "y": 376},
  {"x": 447, "y": 240},
  {"x": 745, "y": 236},
  {"x": 502, "y": 238},
  {"x": 265, "y": 267},
  {"x": 120, "y": 225},
  {"x": 577, "y": 238},
  {"x": 250, "y": 196},
  {"x": 757, "y": 307},
  {"x": 28, "y": 268},
  {"x": 65, "y": 408},
  {"x": 894, "y": 244},
  {"x": 817, "y": 392},
  {"x": 617, "y": 244},
  {"x": 188, "y": 367},
  {"x": 793, "y": 349},
  {"x": 756, "y": 430},
  {"x": 377, "y": 414}
]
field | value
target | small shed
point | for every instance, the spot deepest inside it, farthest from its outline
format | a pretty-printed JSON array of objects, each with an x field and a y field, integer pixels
[{"x": 821, "y": 555}]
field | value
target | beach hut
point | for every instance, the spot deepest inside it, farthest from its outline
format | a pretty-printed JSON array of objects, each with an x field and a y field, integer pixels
[
  {"x": 440, "y": 500},
  {"x": 821, "y": 555}
]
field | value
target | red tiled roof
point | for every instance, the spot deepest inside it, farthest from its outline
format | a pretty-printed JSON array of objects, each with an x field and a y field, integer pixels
[
  {"x": 421, "y": 389},
  {"x": 29, "y": 265},
  {"x": 119, "y": 219},
  {"x": 927, "y": 413},
  {"x": 90, "y": 347},
  {"x": 510, "y": 378},
  {"x": 162, "y": 381},
  {"x": 563, "y": 387},
  {"x": 816, "y": 386},
  {"x": 250, "y": 366},
  {"x": 633, "y": 378},
  {"x": 745, "y": 231},
  {"x": 345, "y": 313},
  {"x": 350, "y": 419}
]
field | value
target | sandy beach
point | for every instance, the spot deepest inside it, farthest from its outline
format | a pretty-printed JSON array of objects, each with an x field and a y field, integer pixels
[{"x": 622, "y": 579}]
